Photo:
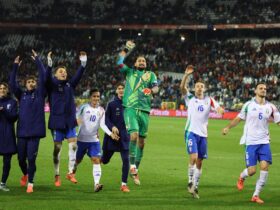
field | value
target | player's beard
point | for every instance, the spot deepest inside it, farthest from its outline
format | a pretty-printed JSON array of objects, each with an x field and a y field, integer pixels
[{"x": 140, "y": 68}]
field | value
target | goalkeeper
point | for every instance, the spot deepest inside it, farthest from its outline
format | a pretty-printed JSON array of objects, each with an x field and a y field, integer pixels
[{"x": 140, "y": 85}]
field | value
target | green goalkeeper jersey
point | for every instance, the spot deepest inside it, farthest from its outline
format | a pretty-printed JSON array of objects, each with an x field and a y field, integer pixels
[{"x": 136, "y": 82}]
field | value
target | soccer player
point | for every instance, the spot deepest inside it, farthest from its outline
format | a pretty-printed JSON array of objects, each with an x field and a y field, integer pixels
[
  {"x": 62, "y": 120},
  {"x": 8, "y": 116},
  {"x": 114, "y": 120},
  {"x": 256, "y": 113},
  {"x": 31, "y": 122},
  {"x": 139, "y": 87},
  {"x": 91, "y": 117},
  {"x": 199, "y": 107}
]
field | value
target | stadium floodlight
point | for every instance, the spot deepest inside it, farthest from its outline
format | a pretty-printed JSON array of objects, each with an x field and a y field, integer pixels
[
  {"x": 139, "y": 34},
  {"x": 183, "y": 38}
]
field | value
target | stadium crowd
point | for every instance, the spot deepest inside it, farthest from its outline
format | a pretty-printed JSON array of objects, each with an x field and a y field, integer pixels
[
  {"x": 146, "y": 12},
  {"x": 231, "y": 68}
]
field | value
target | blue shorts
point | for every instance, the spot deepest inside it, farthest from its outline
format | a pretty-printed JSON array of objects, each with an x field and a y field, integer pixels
[
  {"x": 259, "y": 152},
  {"x": 60, "y": 135},
  {"x": 92, "y": 149},
  {"x": 196, "y": 144}
]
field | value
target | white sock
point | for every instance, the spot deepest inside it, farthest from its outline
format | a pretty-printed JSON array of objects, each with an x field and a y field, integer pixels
[
  {"x": 72, "y": 155},
  {"x": 261, "y": 182},
  {"x": 123, "y": 184},
  {"x": 30, "y": 184},
  {"x": 132, "y": 166},
  {"x": 191, "y": 172},
  {"x": 96, "y": 172},
  {"x": 196, "y": 177},
  {"x": 57, "y": 163},
  {"x": 244, "y": 174}
]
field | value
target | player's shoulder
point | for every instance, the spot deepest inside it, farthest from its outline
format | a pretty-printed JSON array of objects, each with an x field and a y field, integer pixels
[{"x": 101, "y": 109}]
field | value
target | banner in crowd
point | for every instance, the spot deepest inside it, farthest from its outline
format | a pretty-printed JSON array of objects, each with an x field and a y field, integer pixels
[{"x": 183, "y": 113}]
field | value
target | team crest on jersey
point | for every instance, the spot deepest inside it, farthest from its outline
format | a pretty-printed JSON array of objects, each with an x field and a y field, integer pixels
[
  {"x": 267, "y": 111},
  {"x": 254, "y": 109},
  {"x": 8, "y": 106}
]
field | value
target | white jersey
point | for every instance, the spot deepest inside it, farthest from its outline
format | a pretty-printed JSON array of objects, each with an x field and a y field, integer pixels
[
  {"x": 257, "y": 118},
  {"x": 198, "y": 113},
  {"x": 91, "y": 119}
]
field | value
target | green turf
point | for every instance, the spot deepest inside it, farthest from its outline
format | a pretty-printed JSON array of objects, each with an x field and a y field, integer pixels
[{"x": 163, "y": 174}]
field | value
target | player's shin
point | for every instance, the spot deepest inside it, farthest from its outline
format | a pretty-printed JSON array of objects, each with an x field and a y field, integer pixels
[
  {"x": 191, "y": 170},
  {"x": 261, "y": 182},
  {"x": 196, "y": 177},
  {"x": 139, "y": 155},
  {"x": 96, "y": 172},
  {"x": 132, "y": 152},
  {"x": 56, "y": 157},
  {"x": 72, "y": 155}
]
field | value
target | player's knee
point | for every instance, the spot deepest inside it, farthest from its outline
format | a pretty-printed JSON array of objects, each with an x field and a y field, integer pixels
[
  {"x": 134, "y": 136},
  {"x": 95, "y": 160},
  {"x": 251, "y": 171}
]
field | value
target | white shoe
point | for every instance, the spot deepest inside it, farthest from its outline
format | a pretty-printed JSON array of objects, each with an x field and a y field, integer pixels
[{"x": 4, "y": 187}]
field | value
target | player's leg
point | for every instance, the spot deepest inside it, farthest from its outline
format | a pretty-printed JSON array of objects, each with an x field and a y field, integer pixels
[
  {"x": 32, "y": 151},
  {"x": 191, "y": 148},
  {"x": 94, "y": 152},
  {"x": 5, "y": 173},
  {"x": 202, "y": 154},
  {"x": 71, "y": 136},
  {"x": 22, "y": 156},
  {"x": 125, "y": 170},
  {"x": 143, "y": 132},
  {"x": 58, "y": 137},
  {"x": 106, "y": 156},
  {"x": 265, "y": 158},
  {"x": 131, "y": 123},
  {"x": 251, "y": 162},
  {"x": 82, "y": 148}
]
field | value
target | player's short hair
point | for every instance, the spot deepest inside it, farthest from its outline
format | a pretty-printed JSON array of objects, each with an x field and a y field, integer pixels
[
  {"x": 260, "y": 83},
  {"x": 93, "y": 90},
  {"x": 120, "y": 84},
  {"x": 4, "y": 84},
  {"x": 59, "y": 67},
  {"x": 141, "y": 55},
  {"x": 30, "y": 77},
  {"x": 200, "y": 81}
]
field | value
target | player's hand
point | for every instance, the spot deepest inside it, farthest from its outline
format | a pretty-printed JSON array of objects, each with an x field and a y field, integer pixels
[
  {"x": 34, "y": 54},
  {"x": 115, "y": 137},
  {"x": 83, "y": 58},
  {"x": 220, "y": 111},
  {"x": 225, "y": 131},
  {"x": 1, "y": 108},
  {"x": 129, "y": 45},
  {"x": 189, "y": 70},
  {"x": 17, "y": 61},
  {"x": 147, "y": 91},
  {"x": 115, "y": 130},
  {"x": 49, "y": 58}
]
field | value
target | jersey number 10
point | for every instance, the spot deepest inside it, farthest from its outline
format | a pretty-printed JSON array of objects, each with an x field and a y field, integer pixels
[{"x": 92, "y": 118}]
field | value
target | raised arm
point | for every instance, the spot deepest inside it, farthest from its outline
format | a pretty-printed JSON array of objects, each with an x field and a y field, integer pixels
[
  {"x": 42, "y": 72},
  {"x": 184, "y": 83},
  {"x": 15, "y": 89},
  {"x": 77, "y": 77},
  {"x": 129, "y": 46},
  {"x": 48, "y": 73}
]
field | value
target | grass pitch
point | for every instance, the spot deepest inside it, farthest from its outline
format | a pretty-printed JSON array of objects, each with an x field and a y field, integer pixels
[{"x": 163, "y": 174}]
